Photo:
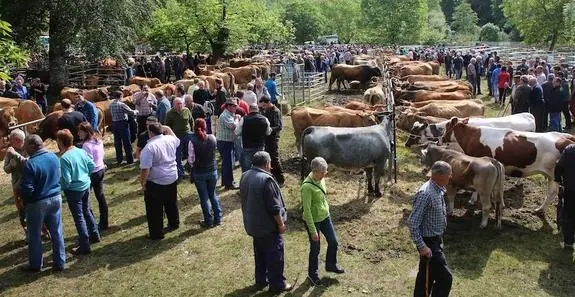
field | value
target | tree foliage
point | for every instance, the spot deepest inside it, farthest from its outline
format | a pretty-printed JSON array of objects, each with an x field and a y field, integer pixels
[
  {"x": 344, "y": 18},
  {"x": 394, "y": 21},
  {"x": 12, "y": 55},
  {"x": 464, "y": 23},
  {"x": 437, "y": 28},
  {"x": 306, "y": 18},
  {"x": 489, "y": 32},
  {"x": 538, "y": 21}
]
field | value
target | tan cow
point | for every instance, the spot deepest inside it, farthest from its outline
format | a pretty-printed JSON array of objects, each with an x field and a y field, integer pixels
[
  {"x": 467, "y": 108},
  {"x": 94, "y": 95},
  {"x": 189, "y": 74},
  {"x": 414, "y": 78},
  {"x": 422, "y": 95},
  {"x": 405, "y": 120},
  {"x": 305, "y": 117},
  {"x": 242, "y": 75},
  {"x": 151, "y": 82},
  {"x": 130, "y": 90},
  {"x": 356, "y": 105},
  {"x": 420, "y": 68},
  {"x": 434, "y": 67}
]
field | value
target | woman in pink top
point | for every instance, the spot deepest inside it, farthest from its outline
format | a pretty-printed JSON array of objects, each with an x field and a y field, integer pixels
[{"x": 93, "y": 145}]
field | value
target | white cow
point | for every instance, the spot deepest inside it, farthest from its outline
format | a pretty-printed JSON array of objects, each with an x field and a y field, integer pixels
[{"x": 422, "y": 132}]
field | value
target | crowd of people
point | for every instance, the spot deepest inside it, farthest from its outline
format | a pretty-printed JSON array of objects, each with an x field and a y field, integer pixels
[{"x": 18, "y": 90}]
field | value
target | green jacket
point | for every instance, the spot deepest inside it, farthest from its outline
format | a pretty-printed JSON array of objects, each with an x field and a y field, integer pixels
[
  {"x": 179, "y": 121},
  {"x": 314, "y": 202}
]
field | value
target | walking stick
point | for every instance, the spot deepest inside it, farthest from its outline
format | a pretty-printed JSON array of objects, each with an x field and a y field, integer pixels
[
  {"x": 504, "y": 111},
  {"x": 427, "y": 277}
]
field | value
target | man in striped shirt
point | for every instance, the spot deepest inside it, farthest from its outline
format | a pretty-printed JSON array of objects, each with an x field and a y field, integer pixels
[
  {"x": 228, "y": 121},
  {"x": 145, "y": 105},
  {"x": 427, "y": 224},
  {"x": 121, "y": 127}
]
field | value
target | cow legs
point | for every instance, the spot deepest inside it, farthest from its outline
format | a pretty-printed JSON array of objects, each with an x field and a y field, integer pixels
[
  {"x": 450, "y": 199},
  {"x": 552, "y": 191},
  {"x": 377, "y": 178},
  {"x": 331, "y": 79},
  {"x": 485, "y": 208},
  {"x": 369, "y": 178},
  {"x": 473, "y": 198}
]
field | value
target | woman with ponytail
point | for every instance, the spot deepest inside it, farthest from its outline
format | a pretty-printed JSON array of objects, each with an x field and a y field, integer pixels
[{"x": 202, "y": 158}]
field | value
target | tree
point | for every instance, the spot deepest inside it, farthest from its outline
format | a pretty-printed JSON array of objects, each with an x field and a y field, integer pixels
[
  {"x": 343, "y": 17},
  {"x": 96, "y": 28},
  {"x": 489, "y": 32},
  {"x": 392, "y": 21},
  {"x": 306, "y": 19},
  {"x": 447, "y": 7},
  {"x": 437, "y": 27},
  {"x": 12, "y": 55},
  {"x": 538, "y": 21},
  {"x": 464, "y": 22}
]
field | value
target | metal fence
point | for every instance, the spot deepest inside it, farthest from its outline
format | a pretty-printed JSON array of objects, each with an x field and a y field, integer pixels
[
  {"x": 299, "y": 87},
  {"x": 94, "y": 76}
]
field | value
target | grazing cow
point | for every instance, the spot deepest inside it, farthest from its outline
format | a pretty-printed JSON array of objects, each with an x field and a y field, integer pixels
[
  {"x": 366, "y": 148},
  {"x": 151, "y": 82},
  {"x": 461, "y": 109},
  {"x": 405, "y": 120},
  {"x": 361, "y": 73},
  {"x": 305, "y": 117},
  {"x": 423, "y": 132},
  {"x": 374, "y": 95},
  {"x": 483, "y": 175},
  {"x": 416, "y": 78},
  {"x": 522, "y": 153}
]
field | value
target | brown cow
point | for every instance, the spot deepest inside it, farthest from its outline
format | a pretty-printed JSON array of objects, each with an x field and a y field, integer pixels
[
  {"x": 239, "y": 62},
  {"x": 414, "y": 78},
  {"x": 242, "y": 75},
  {"x": 440, "y": 86},
  {"x": 415, "y": 96},
  {"x": 420, "y": 68},
  {"x": 434, "y": 67},
  {"x": 151, "y": 82},
  {"x": 362, "y": 73},
  {"x": 9, "y": 102},
  {"x": 189, "y": 74},
  {"x": 94, "y": 95},
  {"x": 305, "y": 117},
  {"x": 405, "y": 120},
  {"x": 356, "y": 105},
  {"x": 129, "y": 90},
  {"x": 467, "y": 108},
  {"x": 92, "y": 81},
  {"x": 396, "y": 59},
  {"x": 7, "y": 119}
]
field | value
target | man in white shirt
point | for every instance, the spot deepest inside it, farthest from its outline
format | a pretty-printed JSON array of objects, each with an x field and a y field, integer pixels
[
  {"x": 249, "y": 96},
  {"x": 158, "y": 177}
]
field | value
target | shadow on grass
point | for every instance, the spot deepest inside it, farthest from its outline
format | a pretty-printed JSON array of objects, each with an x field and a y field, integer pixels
[
  {"x": 299, "y": 291},
  {"x": 10, "y": 216}
]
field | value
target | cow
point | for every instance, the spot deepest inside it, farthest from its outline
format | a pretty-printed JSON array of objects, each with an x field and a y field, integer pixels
[
  {"x": 374, "y": 95},
  {"x": 422, "y": 95},
  {"x": 439, "y": 86},
  {"x": 242, "y": 75},
  {"x": 93, "y": 95},
  {"x": 23, "y": 111},
  {"x": 423, "y": 132},
  {"x": 7, "y": 119},
  {"x": 151, "y": 82},
  {"x": 434, "y": 67},
  {"x": 411, "y": 68},
  {"x": 9, "y": 102},
  {"x": 461, "y": 109},
  {"x": 305, "y": 117},
  {"x": 102, "y": 124},
  {"x": 367, "y": 148},
  {"x": 416, "y": 78},
  {"x": 189, "y": 74},
  {"x": 356, "y": 105},
  {"x": 405, "y": 120},
  {"x": 91, "y": 81},
  {"x": 239, "y": 62},
  {"x": 49, "y": 126},
  {"x": 485, "y": 176},
  {"x": 522, "y": 153},
  {"x": 362, "y": 73},
  {"x": 396, "y": 59}
]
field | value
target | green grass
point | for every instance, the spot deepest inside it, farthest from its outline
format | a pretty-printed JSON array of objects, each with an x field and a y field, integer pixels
[{"x": 522, "y": 259}]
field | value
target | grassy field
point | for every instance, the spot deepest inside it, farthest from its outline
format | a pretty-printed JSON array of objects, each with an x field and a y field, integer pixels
[{"x": 522, "y": 259}]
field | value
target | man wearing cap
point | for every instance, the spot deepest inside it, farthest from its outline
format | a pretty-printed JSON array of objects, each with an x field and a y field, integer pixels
[
  {"x": 71, "y": 119},
  {"x": 88, "y": 109},
  {"x": 121, "y": 127},
  {"x": 227, "y": 124},
  {"x": 179, "y": 119},
  {"x": 253, "y": 128},
  {"x": 274, "y": 116}
]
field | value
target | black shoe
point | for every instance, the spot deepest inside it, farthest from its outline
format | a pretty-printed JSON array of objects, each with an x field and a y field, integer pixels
[
  {"x": 103, "y": 227},
  {"x": 58, "y": 268},
  {"x": 259, "y": 287},
  {"x": 217, "y": 223},
  {"x": 27, "y": 268},
  {"x": 94, "y": 240},
  {"x": 335, "y": 269},
  {"x": 234, "y": 187},
  {"x": 287, "y": 287},
  {"x": 170, "y": 229},
  {"x": 156, "y": 237},
  {"x": 315, "y": 281},
  {"x": 76, "y": 251},
  {"x": 203, "y": 224}
]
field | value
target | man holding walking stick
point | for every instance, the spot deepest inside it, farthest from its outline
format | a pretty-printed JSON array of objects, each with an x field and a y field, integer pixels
[{"x": 427, "y": 224}]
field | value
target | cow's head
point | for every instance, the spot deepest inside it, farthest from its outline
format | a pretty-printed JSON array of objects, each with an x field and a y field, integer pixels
[
  {"x": 7, "y": 119},
  {"x": 416, "y": 133},
  {"x": 103, "y": 94},
  {"x": 447, "y": 136}
]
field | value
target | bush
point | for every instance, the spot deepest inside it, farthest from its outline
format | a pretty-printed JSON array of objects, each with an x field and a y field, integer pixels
[{"x": 489, "y": 32}]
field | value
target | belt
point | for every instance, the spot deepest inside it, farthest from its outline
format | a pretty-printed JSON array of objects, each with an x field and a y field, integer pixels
[{"x": 433, "y": 238}]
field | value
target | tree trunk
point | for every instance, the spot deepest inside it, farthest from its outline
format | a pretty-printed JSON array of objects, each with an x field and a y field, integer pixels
[
  {"x": 57, "y": 56},
  {"x": 553, "y": 41}
]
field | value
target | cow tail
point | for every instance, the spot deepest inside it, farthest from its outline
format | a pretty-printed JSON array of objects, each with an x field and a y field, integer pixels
[
  {"x": 304, "y": 161},
  {"x": 498, "y": 191}
]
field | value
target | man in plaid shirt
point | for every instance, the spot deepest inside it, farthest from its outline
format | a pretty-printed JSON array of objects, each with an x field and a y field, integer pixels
[
  {"x": 427, "y": 224},
  {"x": 121, "y": 127}
]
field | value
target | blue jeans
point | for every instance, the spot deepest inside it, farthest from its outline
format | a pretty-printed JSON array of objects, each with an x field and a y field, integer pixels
[
  {"x": 248, "y": 156},
  {"x": 182, "y": 153},
  {"x": 238, "y": 150},
  {"x": 47, "y": 211},
  {"x": 206, "y": 187},
  {"x": 226, "y": 149},
  {"x": 457, "y": 73},
  {"x": 555, "y": 121},
  {"x": 325, "y": 227},
  {"x": 121, "y": 130},
  {"x": 79, "y": 204}
]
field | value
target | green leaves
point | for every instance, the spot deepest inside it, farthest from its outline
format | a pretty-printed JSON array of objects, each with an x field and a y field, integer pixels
[
  {"x": 10, "y": 54},
  {"x": 464, "y": 23}
]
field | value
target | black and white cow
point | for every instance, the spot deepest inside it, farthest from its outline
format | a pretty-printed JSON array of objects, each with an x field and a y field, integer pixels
[{"x": 351, "y": 149}]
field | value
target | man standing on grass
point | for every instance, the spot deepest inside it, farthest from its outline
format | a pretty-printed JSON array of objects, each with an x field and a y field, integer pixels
[
  {"x": 159, "y": 177},
  {"x": 264, "y": 216},
  {"x": 566, "y": 178},
  {"x": 427, "y": 224}
]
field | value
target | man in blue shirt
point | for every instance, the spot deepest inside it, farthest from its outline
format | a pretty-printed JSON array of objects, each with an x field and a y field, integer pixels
[
  {"x": 272, "y": 87},
  {"x": 163, "y": 106},
  {"x": 427, "y": 224},
  {"x": 40, "y": 190},
  {"x": 87, "y": 108},
  {"x": 19, "y": 88}
]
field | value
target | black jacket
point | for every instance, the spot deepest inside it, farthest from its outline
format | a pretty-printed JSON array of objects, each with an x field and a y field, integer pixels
[
  {"x": 274, "y": 116},
  {"x": 565, "y": 169},
  {"x": 556, "y": 102}
]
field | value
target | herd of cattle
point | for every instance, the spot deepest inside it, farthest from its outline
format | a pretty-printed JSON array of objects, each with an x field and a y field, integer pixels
[{"x": 439, "y": 115}]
